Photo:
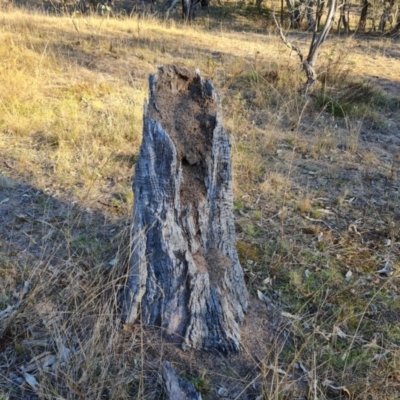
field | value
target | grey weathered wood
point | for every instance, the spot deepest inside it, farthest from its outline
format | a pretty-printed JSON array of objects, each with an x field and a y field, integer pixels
[
  {"x": 185, "y": 274},
  {"x": 176, "y": 388}
]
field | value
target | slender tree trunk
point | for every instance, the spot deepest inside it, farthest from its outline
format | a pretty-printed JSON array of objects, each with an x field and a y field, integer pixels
[
  {"x": 395, "y": 31},
  {"x": 294, "y": 12},
  {"x": 343, "y": 19},
  {"x": 316, "y": 42},
  {"x": 185, "y": 274},
  {"x": 167, "y": 6},
  {"x": 188, "y": 9},
  {"x": 382, "y": 22},
  {"x": 362, "y": 25},
  {"x": 81, "y": 4},
  {"x": 318, "y": 38},
  {"x": 386, "y": 15},
  {"x": 310, "y": 14}
]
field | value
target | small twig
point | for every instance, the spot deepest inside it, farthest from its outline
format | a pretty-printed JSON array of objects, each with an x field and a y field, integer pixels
[
  {"x": 8, "y": 165},
  {"x": 318, "y": 220}
]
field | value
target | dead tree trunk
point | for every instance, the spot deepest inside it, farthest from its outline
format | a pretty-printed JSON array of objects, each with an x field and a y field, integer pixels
[{"x": 185, "y": 275}]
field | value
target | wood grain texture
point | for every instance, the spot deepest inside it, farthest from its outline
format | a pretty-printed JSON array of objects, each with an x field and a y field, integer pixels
[{"x": 185, "y": 274}]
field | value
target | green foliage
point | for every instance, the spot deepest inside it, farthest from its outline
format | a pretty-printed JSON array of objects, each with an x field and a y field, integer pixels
[
  {"x": 201, "y": 383},
  {"x": 351, "y": 99}
]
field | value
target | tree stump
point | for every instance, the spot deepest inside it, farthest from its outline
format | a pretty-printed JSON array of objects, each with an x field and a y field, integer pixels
[{"x": 185, "y": 275}]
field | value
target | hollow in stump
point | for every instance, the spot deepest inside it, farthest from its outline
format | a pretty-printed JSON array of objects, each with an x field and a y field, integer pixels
[{"x": 185, "y": 275}]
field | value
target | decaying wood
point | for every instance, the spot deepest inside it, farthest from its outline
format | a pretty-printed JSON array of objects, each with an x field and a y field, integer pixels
[
  {"x": 185, "y": 275},
  {"x": 176, "y": 388}
]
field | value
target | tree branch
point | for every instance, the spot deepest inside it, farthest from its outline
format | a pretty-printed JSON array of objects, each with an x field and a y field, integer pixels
[
  {"x": 316, "y": 42},
  {"x": 287, "y": 43}
]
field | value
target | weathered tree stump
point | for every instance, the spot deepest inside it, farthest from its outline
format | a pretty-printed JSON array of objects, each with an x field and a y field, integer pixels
[{"x": 185, "y": 275}]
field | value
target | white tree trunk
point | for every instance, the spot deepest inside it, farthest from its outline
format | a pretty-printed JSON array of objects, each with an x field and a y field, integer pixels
[{"x": 185, "y": 274}]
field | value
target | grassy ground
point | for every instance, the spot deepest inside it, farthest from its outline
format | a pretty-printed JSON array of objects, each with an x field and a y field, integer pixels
[{"x": 316, "y": 185}]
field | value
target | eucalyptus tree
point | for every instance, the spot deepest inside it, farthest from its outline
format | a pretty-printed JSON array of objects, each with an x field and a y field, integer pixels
[
  {"x": 188, "y": 7},
  {"x": 318, "y": 37},
  {"x": 388, "y": 14},
  {"x": 362, "y": 24}
]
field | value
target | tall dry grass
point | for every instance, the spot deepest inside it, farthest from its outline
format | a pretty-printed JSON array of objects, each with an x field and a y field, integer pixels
[{"x": 71, "y": 95}]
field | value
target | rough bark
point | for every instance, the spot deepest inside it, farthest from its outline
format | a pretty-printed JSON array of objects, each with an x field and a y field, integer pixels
[
  {"x": 185, "y": 274},
  {"x": 176, "y": 388}
]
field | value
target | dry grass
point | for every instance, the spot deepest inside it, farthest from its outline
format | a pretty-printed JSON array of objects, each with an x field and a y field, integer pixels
[{"x": 316, "y": 197}]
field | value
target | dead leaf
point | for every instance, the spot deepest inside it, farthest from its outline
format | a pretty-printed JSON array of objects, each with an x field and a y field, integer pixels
[
  {"x": 300, "y": 366},
  {"x": 338, "y": 332},
  {"x": 349, "y": 274},
  {"x": 222, "y": 392},
  {"x": 353, "y": 228},
  {"x": 385, "y": 270},
  {"x": 291, "y": 316},
  {"x": 329, "y": 384},
  {"x": 44, "y": 361},
  {"x": 263, "y": 297},
  {"x": 326, "y": 336},
  {"x": 6, "y": 312},
  {"x": 266, "y": 281},
  {"x": 379, "y": 357},
  {"x": 64, "y": 354},
  {"x": 31, "y": 381},
  {"x": 276, "y": 369}
]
